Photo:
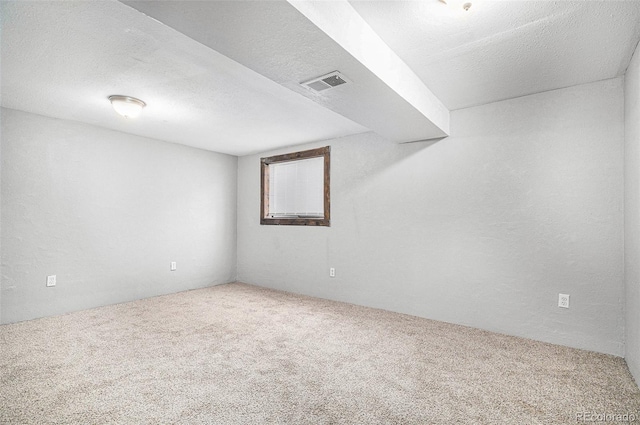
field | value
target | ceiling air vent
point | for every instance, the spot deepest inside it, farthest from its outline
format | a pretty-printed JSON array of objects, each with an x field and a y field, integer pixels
[{"x": 328, "y": 81}]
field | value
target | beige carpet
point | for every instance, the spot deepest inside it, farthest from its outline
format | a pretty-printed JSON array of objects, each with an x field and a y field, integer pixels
[{"x": 238, "y": 354}]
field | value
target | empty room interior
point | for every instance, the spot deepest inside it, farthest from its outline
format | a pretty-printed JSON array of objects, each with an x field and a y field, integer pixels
[{"x": 320, "y": 212}]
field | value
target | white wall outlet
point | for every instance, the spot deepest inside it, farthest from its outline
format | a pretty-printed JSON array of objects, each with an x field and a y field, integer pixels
[
  {"x": 51, "y": 280},
  {"x": 563, "y": 300},
  {"x": 332, "y": 272},
  {"x": 174, "y": 266}
]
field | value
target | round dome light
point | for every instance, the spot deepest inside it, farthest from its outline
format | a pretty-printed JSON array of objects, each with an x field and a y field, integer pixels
[{"x": 127, "y": 106}]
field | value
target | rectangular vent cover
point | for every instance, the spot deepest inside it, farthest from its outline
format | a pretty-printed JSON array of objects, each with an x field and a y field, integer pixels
[{"x": 326, "y": 82}]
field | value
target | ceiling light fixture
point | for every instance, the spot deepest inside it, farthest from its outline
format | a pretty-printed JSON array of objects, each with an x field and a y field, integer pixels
[
  {"x": 458, "y": 4},
  {"x": 127, "y": 106}
]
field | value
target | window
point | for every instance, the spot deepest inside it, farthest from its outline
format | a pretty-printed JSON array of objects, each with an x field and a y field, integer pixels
[{"x": 295, "y": 188}]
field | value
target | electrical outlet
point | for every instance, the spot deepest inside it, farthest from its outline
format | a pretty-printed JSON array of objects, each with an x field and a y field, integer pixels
[
  {"x": 332, "y": 272},
  {"x": 173, "y": 266},
  {"x": 51, "y": 280},
  {"x": 563, "y": 300}
]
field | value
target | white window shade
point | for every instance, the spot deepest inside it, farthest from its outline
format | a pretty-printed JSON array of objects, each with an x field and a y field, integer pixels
[{"x": 296, "y": 188}]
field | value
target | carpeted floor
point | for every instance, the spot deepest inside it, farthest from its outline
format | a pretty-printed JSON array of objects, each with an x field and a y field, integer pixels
[{"x": 239, "y": 354}]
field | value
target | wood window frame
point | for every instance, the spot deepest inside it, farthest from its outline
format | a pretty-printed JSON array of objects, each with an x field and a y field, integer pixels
[{"x": 324, "y": 152}]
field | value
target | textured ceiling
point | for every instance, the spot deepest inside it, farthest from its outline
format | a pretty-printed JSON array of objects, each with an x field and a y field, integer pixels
[
  {"x": 291, "y": 43},
  {"x": 230, "y": 83},
  {"x": 62, "y": 59},
  {"x": 505, "y": 49}
]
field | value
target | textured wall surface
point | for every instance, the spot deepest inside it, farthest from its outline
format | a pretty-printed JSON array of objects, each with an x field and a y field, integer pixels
[
  {"x": 1, "y": 279},
  {"x": 632, "y": 214},
  {"x": 107, "y": 212},
  {"x": 483, "y": 228}
]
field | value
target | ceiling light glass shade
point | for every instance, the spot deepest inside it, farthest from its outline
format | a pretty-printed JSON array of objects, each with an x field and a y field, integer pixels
[{"x": 128, "y": 107}]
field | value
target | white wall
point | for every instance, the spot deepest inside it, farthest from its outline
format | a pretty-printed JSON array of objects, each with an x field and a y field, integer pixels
[
  {"x": 107, "y": 212},
  {"x": 483, "y": 228},
  {"x": 632, "y": 214},
  {"x": 1, "y": 144}
]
